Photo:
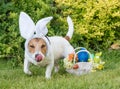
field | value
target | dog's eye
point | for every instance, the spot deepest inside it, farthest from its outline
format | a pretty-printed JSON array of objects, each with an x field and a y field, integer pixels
[
  {"x": 32, "y": 46},
  {"x": 43, "y": 46}
]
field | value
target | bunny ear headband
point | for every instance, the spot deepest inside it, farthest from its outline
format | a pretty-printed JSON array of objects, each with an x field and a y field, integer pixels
[
  {"x": 28, "y": 27},
  {"x": 29, "y": 30}
]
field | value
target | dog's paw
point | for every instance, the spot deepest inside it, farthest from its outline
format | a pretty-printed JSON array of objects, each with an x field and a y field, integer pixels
[
  {"x": 28, "y": 72},
  {"x": 56, "y": 70},
  {"x": 48, "y": 77}
]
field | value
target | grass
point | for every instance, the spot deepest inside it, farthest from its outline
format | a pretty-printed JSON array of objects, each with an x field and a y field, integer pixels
[{"x": 109, "y": 78}]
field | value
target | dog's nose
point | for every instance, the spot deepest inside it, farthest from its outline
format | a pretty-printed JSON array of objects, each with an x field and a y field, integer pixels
[{"x": 38, "y": 57}]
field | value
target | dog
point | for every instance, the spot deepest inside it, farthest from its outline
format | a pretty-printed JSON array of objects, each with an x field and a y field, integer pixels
[{"x": 41, "y": 49}]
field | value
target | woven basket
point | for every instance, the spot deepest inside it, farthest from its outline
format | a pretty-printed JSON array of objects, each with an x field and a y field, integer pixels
[{"x": 83, "y": 67}]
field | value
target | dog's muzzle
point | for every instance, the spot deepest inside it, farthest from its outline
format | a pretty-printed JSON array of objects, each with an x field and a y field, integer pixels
[{"x": 38, "y": 57}]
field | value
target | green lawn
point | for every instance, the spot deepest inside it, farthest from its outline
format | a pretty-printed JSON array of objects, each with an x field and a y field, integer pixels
[{"x": 109, "y": 78}]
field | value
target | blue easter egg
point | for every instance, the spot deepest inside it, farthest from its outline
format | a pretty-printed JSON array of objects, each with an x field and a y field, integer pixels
[{"x": 83, "y": 56}]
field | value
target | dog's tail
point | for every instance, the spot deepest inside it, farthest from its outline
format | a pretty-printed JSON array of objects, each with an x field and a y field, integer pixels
[{"x": 70, "y": 29}]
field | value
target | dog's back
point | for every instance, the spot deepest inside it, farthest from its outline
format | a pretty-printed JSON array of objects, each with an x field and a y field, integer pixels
[{"x": 61, "y": 47}]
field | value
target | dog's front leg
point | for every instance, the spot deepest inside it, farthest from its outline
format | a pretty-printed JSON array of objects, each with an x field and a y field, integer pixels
[
  {"x": 26, "y": 67},
  {"x": 49, "y": 70}
]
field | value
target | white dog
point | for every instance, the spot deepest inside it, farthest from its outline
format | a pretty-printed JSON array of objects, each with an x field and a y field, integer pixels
[{"x": 40, "y": 49}]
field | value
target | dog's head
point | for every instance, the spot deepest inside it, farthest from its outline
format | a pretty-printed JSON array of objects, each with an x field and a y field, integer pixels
[{"x": 37, "y": 44}]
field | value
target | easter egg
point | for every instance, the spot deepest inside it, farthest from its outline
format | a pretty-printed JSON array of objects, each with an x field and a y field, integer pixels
[
  {"x": 83, "y": 56},
  {"x": 76, "y": 66}
]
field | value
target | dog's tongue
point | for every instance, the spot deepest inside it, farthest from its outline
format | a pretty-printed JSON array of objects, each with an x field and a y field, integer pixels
[{"x": 38, "y": 57}]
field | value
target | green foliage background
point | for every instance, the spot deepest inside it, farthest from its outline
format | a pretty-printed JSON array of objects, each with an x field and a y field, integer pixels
[{"x": 96, "y": 23}]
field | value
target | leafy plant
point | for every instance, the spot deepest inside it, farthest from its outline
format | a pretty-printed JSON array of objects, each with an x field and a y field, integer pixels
[{"x": 97, "y": 22}]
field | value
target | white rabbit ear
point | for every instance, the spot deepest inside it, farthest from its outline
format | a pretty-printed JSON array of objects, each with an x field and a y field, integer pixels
[
  {"x": 41, "y": 25},
  {"x": 26, "y": 25}
]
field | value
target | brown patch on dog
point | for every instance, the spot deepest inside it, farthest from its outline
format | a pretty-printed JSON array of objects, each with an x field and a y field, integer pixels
[
  {"x": 37, "y": 44},
  {"x": 67, "y": 38}
]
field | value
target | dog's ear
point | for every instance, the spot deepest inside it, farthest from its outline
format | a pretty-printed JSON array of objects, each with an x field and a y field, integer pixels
[
  {"x": 41, "y": 25},
  {"x": 26, "y": 25}
]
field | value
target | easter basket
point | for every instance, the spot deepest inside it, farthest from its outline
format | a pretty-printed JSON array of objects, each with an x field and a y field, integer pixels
[
  {"x": 87, "y": 63},
  {"x": 73, "y": 66}
]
